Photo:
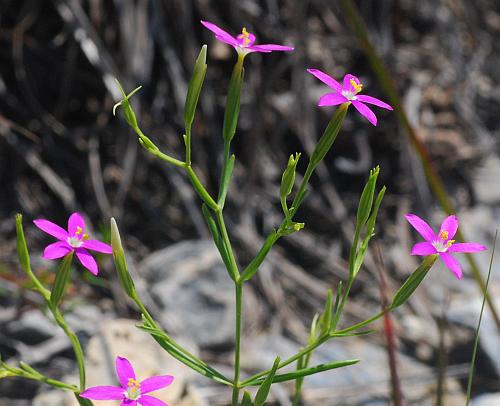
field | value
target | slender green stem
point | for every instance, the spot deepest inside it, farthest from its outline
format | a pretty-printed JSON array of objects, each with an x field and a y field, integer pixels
[
  {"x": 154, "y": 150},
  {"x": 75, "y": 343},
  {"x": 188, "y": 145},
  {"x": 237, "y": 343}
]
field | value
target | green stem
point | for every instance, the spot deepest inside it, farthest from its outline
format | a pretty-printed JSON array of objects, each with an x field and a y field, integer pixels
[
  {"x": 188, "y": 145},
  {"x": 237, "y": 344},
  {"x": 75, "y": 343}
]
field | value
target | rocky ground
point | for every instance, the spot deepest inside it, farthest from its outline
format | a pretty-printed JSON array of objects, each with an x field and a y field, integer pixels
[{"x": 61, "y": 150}]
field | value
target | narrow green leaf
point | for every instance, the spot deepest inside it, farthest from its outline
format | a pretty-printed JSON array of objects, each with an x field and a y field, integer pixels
[
  {"x": 254, "y": 265},
  {"x": 233, "y": 101},
  {"x": 306, "y": 371},
  {"x": 359, "y": 333},
  {"x": 337, "y": 303},
  {"x": 216, "y": 236},
  {"x": 263, "y": 391},
  {"x": 22, "y": 248},
  {"x": 247, "y": 399},
  {"x": 195, "y": 85},
  {"x": 326, "y": 317},
  {"x": 187, "y": 359},
  {"x": 227, "y": 171},
  {"x": 476, "y": 335},
  {"x": 330, "y": 134},
  {"x": 415, "y": 279},
  {"x": 62, "y": 279},
  {"x": 120, "y": 261}
]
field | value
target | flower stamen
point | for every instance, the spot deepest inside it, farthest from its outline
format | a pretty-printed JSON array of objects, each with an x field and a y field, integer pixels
[{"x": 133, "y": 389}]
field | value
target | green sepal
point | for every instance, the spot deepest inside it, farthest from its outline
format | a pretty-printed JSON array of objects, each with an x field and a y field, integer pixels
[
  {"x": 83, "y": 401},
  {"x": 366, "y": 199},
  {"x": 125, "y": 103},
  {"x": 195, "y": 85},
  {"x": 247, "y": 399},
  {"x": 288, "y": 180},
  {"x": 233, "y": 101},
  {"x": 306, "y": 371},
  {"x": 263, "y": 391},
  {"x": 62, "y": 279},
  {"x": 120, "y": 261},
  {"x": 290, "y": 227},
  {"x": 415, "y": 279},
  {"x": 329, "y": 135},
  {"x": 22, "y": 248}
]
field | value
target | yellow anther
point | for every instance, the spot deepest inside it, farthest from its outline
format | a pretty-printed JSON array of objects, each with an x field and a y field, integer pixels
[
  {"x": 357, "y": 86},
  {"x": 245, "y": 35},
  {"x": 450, "y": 243},
  {"x": 133, "y": 383},
  {"x": 443, "y": 235},
  {"x": 78, "y": 230},
  {"x": 85, "y": 236}
]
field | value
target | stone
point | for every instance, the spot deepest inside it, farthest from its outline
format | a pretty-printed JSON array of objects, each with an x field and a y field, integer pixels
[{"x": 191, "y": 284}]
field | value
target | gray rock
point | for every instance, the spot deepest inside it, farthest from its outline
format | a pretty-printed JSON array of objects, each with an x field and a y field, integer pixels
[
  {"x": 490, "y": 399},
  {"x": 191, "y": 284}
]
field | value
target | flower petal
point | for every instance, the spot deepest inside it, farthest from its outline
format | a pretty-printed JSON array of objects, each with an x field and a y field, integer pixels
[
  {"x": 98, "y": 246},
  {"x": 450, "y": 225},
  {"x": 57, "y": 250},
  {"x": 87, "y": 260},
  {"x": 155, "y": 383},
  {"x": 220, "y": 34},
  {"x": 452, "y": 264},
  {"x": 270, "y": 48},
  {"x": 423, "y": 248},
  {"x": 365, "y": 112},
  {"x": 326, "y": 79},
  {"x": 124, "y": 371},
  {"x": 103, "y": 393},
  {"x": 52, "y": 229},
  {"x": 332, "y": 99},
  {"x": 466, "y": 247},
  {"x": 75, "y": 220},
  {"x": 372, "y": 100},
  {"x": 146, "y": 400},
  {"x": 128, "y": 402},
  {"x": 421, "y": 226},
  {"x": 347, "y": 86}
]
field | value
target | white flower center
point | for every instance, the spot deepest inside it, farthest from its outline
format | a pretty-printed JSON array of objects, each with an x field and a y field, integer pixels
[
  {"x": 133, "y": 389},
  {"x": 442, "y": 244},
  {"x": 75, "y": 242},
  {"x": 348, "y": 95}
]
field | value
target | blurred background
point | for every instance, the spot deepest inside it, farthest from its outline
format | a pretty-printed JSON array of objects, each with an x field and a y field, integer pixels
[{"x": 61, "y": 150}]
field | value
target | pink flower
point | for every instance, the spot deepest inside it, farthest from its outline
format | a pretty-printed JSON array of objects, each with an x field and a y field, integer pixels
[
  {"x": 244, "y": 42},
  {"x": 348, "y": 93},
  {"x": 75, "y": 239},
  {"x": 130, "y": 391},
  {"x": 441, "y": 244}
]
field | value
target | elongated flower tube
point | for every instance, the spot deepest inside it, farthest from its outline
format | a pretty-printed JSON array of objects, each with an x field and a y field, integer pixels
[
  {"x": 442, "y": 243},
  {"x": 348, "y": 92},
  {"x": 74, "y": 239},
  {"x": 130, "y": 391},
  {"x": 244, "y": 42}
]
